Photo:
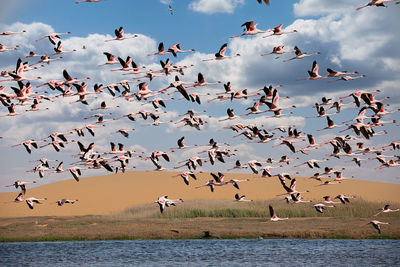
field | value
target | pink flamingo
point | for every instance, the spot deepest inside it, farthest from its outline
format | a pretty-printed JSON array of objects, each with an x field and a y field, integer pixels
[
  {"x": 275, "y": 218},
  {"x": 278, "y": 31},
  {"x": 331, "y": 124},
  {"x": 185, "y": 176},
  {"x": 53, "y": 37},
  {"x": 348, "y": 78},
  {"x": 334, "y": 73},
  {"x": 320, "y": 207},
  {"x": 70, "y": 80},
  {"x": 313, "y": 73},
  {"x": 21, "y": 184},
  {"x": 110, "y": 59},
  {"x": 377, "y": 3},
  {"x": 18, "y": 75},
  {"x": 385, "y": 209},
  {"x": 31, "y": 200},
  {"x": 251, "y": 29},
  {"x": 298, "y": 199},
  {"x": 344, "y": 198},
  {"x": 64, "y": 201},
  {"x": 119, "y": 33},
  {"x": 174, "y": 49},
  {"x": 376, "y": 225},
  {"x": 46, "y": 59},
  {"x": 265, "y": 1},
  {"x": 300, "y": 55},
  {"x": 161, "y": 50},
  {"x": 277, "y": 50},
  {"x": 87, "y": 1},
  {"x": 11, "y": 32},
  {"x": 289, "y": 189},
  {"x": 59, "y": 49},
  {"x": 221, "y": 54},
  {"x": 28, "y": 144},
  {"x": 4, "y": 48},
  {"x": 241, "y": 198},
  {"x": 164, "y": 202}
]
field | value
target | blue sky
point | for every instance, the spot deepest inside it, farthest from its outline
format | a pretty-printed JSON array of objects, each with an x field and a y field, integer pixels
[{"x": 347, "y": 39}]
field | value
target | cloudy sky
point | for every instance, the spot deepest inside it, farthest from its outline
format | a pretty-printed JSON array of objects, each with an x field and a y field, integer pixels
[{"x": 366, "y": 41}]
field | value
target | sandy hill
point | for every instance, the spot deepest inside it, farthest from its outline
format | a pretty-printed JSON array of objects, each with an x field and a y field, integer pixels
[{"x": 114, "y": 193}]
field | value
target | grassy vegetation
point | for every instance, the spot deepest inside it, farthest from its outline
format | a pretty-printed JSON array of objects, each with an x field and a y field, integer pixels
[
  {"x": 357, "y": 208},
  {"x": 207, "y": 219}
]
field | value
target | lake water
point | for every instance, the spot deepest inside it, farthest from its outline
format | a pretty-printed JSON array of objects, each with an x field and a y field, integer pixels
[{"x": 239, "y": 252}]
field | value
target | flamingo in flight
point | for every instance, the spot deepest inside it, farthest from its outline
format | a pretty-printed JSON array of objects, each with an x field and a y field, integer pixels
[
  {"x": 251, "y": 29},
  {"x": 164, "y": 202},
  {"x": 275, "y": 218},
  {"x": 59, "y": 49},
  {"x": 277, "y": 50},
  {"x": 119, "y": 33},
  {"x": 221, "y": 54},
  {"x": 238, "y": 165},
  {"x": 176, "y": 48},
  {"x": 385, "y": 209},
  {"x": 110, "y": 59},
  {"x": 46, "y": 59},
  {"x": 161, "y": 50},
  {"x": 313, "y": 73},
  {"x": 348, "y": 78},
  {"x": 320, "y": 207},
  {"x": 87, "y": 1},
  {"x": 298, "y": 199},
  {"x": 53, "y": 37},
  {"x": 201, "y": 81},
  {"x": 185, "y": 176},
  {"x": 376, "y": 225},
  {"x": 300, "y": 55},
  {"x": 21, "y": 184},
  {"x": 265, "y": 1},
  {"x": 328, "y": 200},
  {"x": 331, "y": 124},
  {"x": 76, "y": 173},
  {"x": 124, "y": 132},
  {"x": 278, "y": 31},
  {"x": 4, "y": 48},
  {"x": 377, "y": 3},
  {"x": 64, "y": 201},
  {"x": 254, "y": 110},
  {"x": 266, "y": 171},
  {"x": 253, "y": 165},
  {"x": 11, "y": 32},
  {"x": 274, "y": 104},
  {"x": 18, "y": 75},
  {"x": 311, "y": 163},
  {"x": 70, "y": 80},
  {"x": 344, "y": 198},
  {"x": 290, "y": 190},
  {"x": 335, "y": 73},
  {"x": 241, "y": 198},
  {"x": 31, "y": 200},
  {"x": 28, "y": 144}
]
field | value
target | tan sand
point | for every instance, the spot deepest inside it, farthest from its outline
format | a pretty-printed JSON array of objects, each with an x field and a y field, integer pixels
[{"x": 113, "y": 193}]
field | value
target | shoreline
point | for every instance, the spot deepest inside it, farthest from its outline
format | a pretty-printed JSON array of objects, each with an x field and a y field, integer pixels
[{"x": 97, "y": 228}]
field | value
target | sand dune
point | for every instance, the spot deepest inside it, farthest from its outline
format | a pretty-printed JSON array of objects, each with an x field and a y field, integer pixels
[{"x": 114, "y": 193}]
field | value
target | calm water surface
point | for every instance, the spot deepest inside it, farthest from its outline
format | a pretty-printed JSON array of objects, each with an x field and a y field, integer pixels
[{"x": 243, "y": 252}]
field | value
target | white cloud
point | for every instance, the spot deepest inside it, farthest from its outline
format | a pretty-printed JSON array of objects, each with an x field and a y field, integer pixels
[
  {"x": 322, "y": 7},
  {"x": 215, "y": 6}
]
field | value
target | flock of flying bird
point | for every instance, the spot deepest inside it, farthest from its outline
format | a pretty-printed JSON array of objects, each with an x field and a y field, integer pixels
[{"x": 21, "y": 94}]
